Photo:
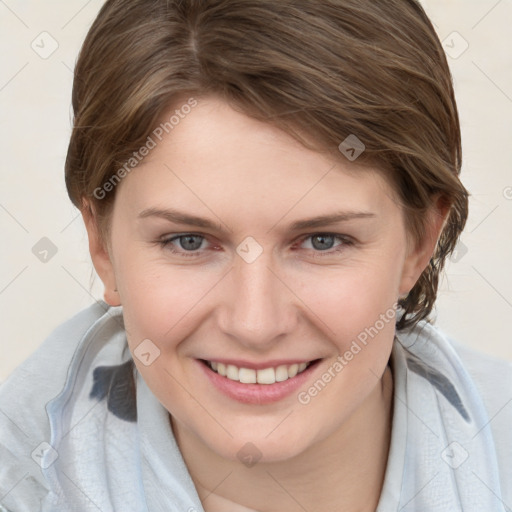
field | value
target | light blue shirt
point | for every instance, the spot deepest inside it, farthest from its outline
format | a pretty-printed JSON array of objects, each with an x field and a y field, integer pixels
[{"x": 81, "y": 431}]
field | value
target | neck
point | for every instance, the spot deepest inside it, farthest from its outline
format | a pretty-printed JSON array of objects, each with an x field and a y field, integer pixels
[{"x": 344, "y": 472}]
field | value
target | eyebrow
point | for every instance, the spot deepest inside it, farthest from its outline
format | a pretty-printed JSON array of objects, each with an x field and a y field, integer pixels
[{"x": 179, "y": 217}]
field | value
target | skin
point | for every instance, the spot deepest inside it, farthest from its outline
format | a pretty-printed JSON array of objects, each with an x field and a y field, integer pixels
[{"x": 294, "y": 301}]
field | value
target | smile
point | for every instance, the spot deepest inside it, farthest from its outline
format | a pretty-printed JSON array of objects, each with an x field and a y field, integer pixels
[
  {"x": 262, "y": 376},
  {"x": 262, "y": 385}
]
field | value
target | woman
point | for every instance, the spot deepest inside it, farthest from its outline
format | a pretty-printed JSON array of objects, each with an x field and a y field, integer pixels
[{"x": 270, "y": 191}]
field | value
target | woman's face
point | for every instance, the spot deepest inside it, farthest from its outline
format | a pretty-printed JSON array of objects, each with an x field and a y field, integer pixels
[{"x": 256, "y": 281}]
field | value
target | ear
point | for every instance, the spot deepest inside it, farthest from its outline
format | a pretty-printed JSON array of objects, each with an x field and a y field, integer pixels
[
  {"x": 419, "y": 255},
  {"x": 101, "y": 257}
]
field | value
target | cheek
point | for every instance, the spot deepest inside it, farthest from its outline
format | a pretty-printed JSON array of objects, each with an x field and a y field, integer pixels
[
  {"x": 164, "y": 302},
  {"x": 346, "y": 301}
]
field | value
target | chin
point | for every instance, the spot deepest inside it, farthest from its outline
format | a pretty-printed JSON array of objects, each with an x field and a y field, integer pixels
[{"x": 263, "y": 447}]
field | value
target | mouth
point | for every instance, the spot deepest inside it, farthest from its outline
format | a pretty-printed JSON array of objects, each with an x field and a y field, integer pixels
[
  {"x": 262, "y": 383},
  {"x": 265, "y": 376}
]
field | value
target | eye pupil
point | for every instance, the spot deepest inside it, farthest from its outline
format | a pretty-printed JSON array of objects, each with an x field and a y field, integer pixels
[
  {"x": 322, "y": 239},
  {"x": 190, "y": 239}
]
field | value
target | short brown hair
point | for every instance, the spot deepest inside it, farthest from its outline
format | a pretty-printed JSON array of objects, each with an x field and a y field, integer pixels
[{"x": 320, "y": 70}]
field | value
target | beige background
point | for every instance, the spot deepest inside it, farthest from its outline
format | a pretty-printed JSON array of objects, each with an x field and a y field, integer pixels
[{"x": 475, "y": 302}]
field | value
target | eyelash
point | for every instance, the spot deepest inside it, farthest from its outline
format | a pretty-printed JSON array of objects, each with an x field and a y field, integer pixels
[{"x": 346, "y": 242}]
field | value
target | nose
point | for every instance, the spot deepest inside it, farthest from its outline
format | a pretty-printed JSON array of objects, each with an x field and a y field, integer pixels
[{"x": 258, "y": 307}]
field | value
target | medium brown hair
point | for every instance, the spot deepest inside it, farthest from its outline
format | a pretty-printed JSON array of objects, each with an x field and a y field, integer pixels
[{"x": 320, "y": 70}]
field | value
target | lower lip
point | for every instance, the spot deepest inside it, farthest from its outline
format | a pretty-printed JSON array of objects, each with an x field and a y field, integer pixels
[{"x": 257, "y": 393}]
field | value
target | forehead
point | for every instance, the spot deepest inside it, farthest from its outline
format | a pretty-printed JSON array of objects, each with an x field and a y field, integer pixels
[{"x": 215, "y": 154}]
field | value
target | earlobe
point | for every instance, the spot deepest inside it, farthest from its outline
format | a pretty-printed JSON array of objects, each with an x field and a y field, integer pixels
[
  {"x": 101, "y": 258},
  {"x": 419, "y": 256}
]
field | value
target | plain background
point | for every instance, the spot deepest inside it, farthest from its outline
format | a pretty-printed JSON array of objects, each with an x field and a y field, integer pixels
[{"x": 39, "y": 290}]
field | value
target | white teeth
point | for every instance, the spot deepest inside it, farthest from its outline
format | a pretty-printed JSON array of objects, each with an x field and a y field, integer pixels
[
  {"x": 264, "y": 376},
  {"x": 232, "y": 372},
  {"x": 281, "y": 373},
  {"x": 221, "y": 369},
  {"x": 247, "y": 376},
  {"x": 292, "y": 371}
]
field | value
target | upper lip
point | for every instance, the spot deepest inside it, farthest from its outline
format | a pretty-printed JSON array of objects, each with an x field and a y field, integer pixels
[{"x": 274, "y": 363}]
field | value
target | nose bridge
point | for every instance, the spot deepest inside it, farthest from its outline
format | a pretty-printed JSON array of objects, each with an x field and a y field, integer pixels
[{"x": 258, "y": 306}]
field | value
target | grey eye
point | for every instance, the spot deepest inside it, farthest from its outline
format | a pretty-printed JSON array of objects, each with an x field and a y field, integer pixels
[
  {"x": 190, "y": 242},
  {"x": 324, "y": 242}
]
